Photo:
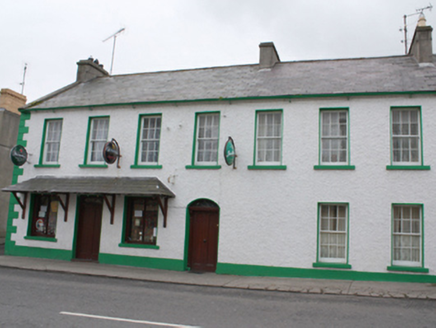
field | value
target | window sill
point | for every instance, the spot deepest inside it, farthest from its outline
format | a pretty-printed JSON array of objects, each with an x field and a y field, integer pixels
[
  {"x": 334, "y": 167},
  {"x": 408, "y": 167},
  {"x": 145, "y": 166},
  {"x": 331, "y": 265},
  {"x": 203, "y": 167},
  {"x": 50, "y": 239},
  {"x": 47, "y": 165},
  {"x": 266, "y": 167},
  {"x": 138, "y": 246},
  {"x": 406, "y": 268},
  {"x": 93, "y": 166}
]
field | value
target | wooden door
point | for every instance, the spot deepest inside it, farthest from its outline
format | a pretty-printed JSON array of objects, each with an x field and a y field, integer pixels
[
  {"x": 203, "y": 239},
  {"x": 89, "y": 229}
]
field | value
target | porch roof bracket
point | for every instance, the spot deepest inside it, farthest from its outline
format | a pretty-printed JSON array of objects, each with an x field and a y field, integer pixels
[
  {"x": 110, "y": 206},
  {"x": 164, "y": 208},
  {"x": 22, "y": 204},
  {"x": 65, "y": 205}
]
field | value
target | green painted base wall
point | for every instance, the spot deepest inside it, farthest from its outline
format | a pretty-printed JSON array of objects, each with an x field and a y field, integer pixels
[
  {"x": 142, "y": 262},
  {"x": 266, "y": 271},
  {"x": 43, "y": 253}
]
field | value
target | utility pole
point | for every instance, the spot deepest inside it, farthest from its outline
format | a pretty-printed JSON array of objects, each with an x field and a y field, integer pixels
[
  {"x": 113, "y": 48},
  {"x": 418, "y": 12}
]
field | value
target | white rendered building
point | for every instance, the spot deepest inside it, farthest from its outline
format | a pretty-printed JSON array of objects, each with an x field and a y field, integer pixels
[{"x": 333, "y": 178}]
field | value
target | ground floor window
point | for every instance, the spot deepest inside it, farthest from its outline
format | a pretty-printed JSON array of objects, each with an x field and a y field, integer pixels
[
  {"x": 44, "y": 215},
  {"x": 141, "y": 220},
  {"x": 333, "y": 241},
  {"x": 407, "y": 235}
]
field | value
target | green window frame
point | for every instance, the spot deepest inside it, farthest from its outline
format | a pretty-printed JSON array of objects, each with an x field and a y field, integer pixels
[
  {"x": 205, "y": 146},
  {"x": 148, "y": 142},
  {"x": 406, "y": 139},
  {"x": 268, "y": 140},
  {"x": 407, "y": 237},
  {"x": 43, "y": 217},
  {"x": 333, "y": 235},
  {"x": 334, "y": 139},
  {"x": 140, "y": 224},
  {"x": 95, "y": 141},
  {"x": 50, "y": 143}
]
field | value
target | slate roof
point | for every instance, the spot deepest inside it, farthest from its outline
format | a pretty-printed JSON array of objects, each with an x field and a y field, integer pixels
[
  {"x": 147, "y": 186},
  {"x": 304, "y": 78}
]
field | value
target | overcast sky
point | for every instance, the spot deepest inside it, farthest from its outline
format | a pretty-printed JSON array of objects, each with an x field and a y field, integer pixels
[{"x": 52, "y": 35}]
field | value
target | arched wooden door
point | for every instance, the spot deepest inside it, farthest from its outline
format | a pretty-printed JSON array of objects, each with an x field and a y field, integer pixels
[{"x": 203, "y": 236}]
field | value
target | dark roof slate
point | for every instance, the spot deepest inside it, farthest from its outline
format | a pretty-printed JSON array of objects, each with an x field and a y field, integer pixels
[{"x": 305, "y": 78}]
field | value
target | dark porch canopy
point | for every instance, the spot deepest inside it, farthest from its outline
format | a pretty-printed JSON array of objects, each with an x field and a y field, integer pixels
[{"x": 103, "y": 186}]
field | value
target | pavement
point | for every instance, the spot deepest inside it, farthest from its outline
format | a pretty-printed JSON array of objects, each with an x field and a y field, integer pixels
[{"x": 295, "y": 285}]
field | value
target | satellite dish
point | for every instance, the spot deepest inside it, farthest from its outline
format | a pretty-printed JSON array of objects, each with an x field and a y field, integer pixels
[
  {"x": 111, "y": 152},
  {"x": 18, "y": 155}
]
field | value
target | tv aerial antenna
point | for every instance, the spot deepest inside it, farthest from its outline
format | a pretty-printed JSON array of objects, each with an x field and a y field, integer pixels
[
  {"x": 24, "y": 78},
  {"x": 113, "y": 48},
  {"x": 419, "y": 11}
]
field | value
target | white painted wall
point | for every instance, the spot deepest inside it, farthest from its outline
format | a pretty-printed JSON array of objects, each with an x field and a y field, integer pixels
[{"x": 267, "y": 217}]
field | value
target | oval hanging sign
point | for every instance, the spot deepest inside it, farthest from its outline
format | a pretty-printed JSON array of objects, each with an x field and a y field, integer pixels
[
  {"x": 230, "y": 152},
  {"x": 18, "y": 155},
  {"x": 111, "y": 152}
]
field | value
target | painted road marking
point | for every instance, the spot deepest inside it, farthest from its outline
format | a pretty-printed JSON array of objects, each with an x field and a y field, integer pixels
[{"x": 144, "y": 322}]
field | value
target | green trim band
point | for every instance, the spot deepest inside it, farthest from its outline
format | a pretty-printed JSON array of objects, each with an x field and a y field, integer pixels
[
  {"x": 141, "y": 261},
  {"x": 203, "y": 167},
  {"x": 285, "y": 97},
  {"x": 39, "y": 252},
  {"x": 331, "y": 265},
  {"x": 408, "y": 167},
  {"x": 90, "y": 166},
  {"x": 334, "y": 167},
  {"x": 409, "y": 269},
  {"x": 50, "y": 239},
  {"x": 145, "y": 166},
  {"x": 138, "y": 246},
  {"x": 266, "y": 271},
  {"x": 47, "y": 166},
  {"x": 267, "y": 167}
]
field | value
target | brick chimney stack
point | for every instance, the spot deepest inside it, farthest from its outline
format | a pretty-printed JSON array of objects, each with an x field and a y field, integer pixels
[
  {"x": 11, "y": 100},
  {"x": 268, "y": 55},
  {"x": 89, "y": 69},
  {"x": 422, "y": 47}
]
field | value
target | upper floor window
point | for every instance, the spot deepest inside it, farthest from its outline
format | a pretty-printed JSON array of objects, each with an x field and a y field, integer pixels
[
  {"x": 206, "y": 139},
  {"x": 406, "y": 135},
  {"x": 98, "y": 130},
  {"x": 150, "y": 138},
  {"x": 334, "y": 137},
  {"x": 268, "y": 138},
  {"x": 51, "y": 141}
]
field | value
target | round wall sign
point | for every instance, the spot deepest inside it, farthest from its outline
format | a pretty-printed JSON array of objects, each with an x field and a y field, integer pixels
[
  {"x": 18, "y": 155},
  {"x": 111, "y": 151},
  {"x": 229, "y": 152}
]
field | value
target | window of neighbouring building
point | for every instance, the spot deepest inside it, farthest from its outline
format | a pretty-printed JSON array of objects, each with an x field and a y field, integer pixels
[
  {"x": 43, "y": 218},
  {"x": 141, "y": 220}
]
